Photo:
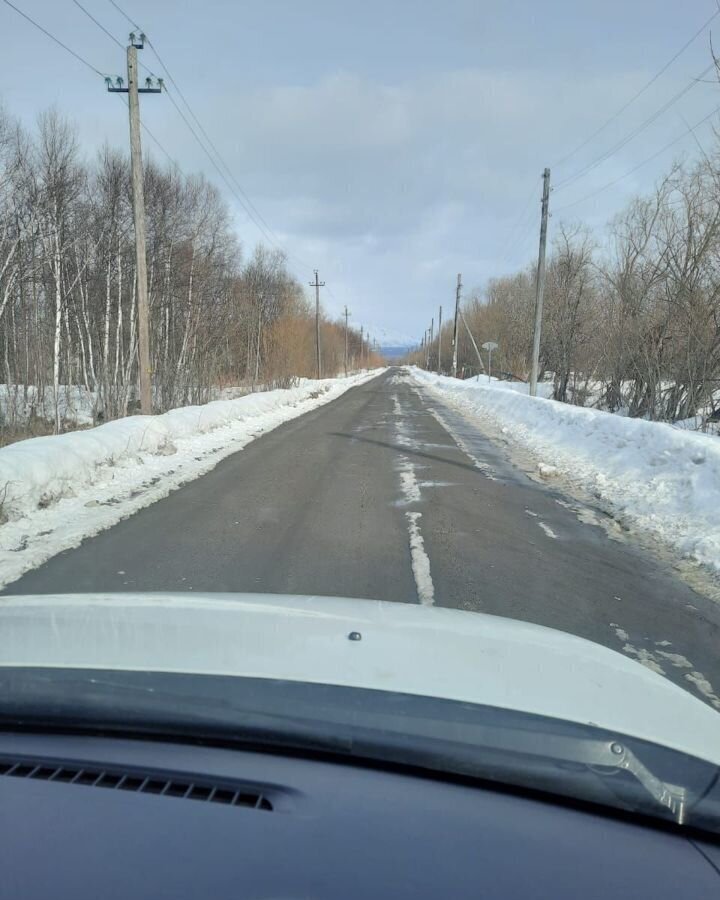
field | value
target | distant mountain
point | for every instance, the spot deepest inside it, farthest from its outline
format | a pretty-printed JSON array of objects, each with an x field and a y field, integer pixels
[{"x": 396, "y": 351}]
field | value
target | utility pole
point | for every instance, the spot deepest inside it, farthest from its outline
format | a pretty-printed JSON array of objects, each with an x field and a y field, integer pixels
[
  {"x": 439, "y": 365},
  {"x": 540, "y": 284},
  {"x": 317, "y": 285},
  {"x": 143, "y": 307},
  {"x": 346, "y": 314},
  {"x": 455, "y": 329},
  {"x": 432, "y": 340},
  {"x": 362, "y": 332}
]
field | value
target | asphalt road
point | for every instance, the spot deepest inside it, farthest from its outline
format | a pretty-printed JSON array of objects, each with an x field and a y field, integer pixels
[{"x": 387, "y": 493}]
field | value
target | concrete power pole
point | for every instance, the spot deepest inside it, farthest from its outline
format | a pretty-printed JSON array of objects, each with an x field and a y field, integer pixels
[
  {"x": 346, "y": 314},
  {"x": 540, "y": 284},
  {"x": 439, "y": 365},
  {"x": 133, "y": 91},
  {"x": 317, "y": 285},
  {"x": 362, "y": 333},
  {"x": 455, "y": 329}
]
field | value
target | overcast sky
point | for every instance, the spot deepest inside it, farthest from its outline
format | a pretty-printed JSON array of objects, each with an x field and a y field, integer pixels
[{"x": 389, "y": 144}]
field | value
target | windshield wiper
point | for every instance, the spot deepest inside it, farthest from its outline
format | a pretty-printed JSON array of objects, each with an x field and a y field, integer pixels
[{"x": 614, "y": 755}]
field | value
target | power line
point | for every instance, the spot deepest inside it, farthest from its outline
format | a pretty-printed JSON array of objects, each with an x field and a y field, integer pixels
[
  {"x": 638, "y": 93},
  {"x": 53, "y": 38},
  {"x": 207, "y": 137},
  {"x": 92, "y": 67},
  {"x": 152, "y": 137},
  {"x": 220, "y": 172},
  {"x": 101, "y": 27},
  {"x": 634, "y": 169},
  {"x": 520, "y": 223},
  {"x": 125, "y": 15},
  {"x": 633, "y": 134},
  {"x": 244, "y": 200}
]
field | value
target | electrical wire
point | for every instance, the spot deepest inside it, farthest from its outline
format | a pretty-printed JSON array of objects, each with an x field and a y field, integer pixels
[
  {"x": 152, "y": 137},
  {"x": 220, "y": 172},
  {"x": 634, "y": 169},
  {"x": 207, "y": 137},
  {"x": 99, "y": 25},
  {"x": 561, "y": 185},
  {"x": 224, "y": 170},
  {"x": 639, "y": 93},
  {"x": 521, "y": 223},
  {"x": 126, "y": 16},
  {"x": 55, "y": 39},
  {"x": 96, "y": 71},
  {"x": 215, "y": 156}
]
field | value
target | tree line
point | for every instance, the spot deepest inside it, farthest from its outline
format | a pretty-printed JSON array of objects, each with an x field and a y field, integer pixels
[
  {"x": 631, "y": 317},
  {"x": 68, "y": 306}
]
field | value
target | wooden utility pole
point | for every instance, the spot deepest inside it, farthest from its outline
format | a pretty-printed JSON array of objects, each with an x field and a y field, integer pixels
[
  {"x": 317, "y": 285},
  {"x": 439, "y": 365},
  {"x": 133, "y": 90},
  {"x": 455, "y": 329},
  {"x": 346, "y": 314},
  {"x": 540, "y": 284},
  {"x": 362, "y": 339}
]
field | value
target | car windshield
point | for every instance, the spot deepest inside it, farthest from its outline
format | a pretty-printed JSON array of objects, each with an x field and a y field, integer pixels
[{"x": 362, "y": 361}]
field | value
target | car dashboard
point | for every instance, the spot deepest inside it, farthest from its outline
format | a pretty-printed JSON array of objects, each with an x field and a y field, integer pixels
[{"x": 89, "y": 816}]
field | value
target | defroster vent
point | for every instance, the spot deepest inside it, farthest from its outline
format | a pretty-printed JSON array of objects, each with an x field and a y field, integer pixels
[{"x": 138, "y": 782}]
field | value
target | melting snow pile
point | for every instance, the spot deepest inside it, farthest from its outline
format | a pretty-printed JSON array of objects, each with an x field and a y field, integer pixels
[
  {"x": 55, "y": 491},
  {"x": 656, "y": 478}
]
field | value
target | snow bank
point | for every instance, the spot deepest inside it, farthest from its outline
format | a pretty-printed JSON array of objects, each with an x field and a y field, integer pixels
[
  {"x": 655, "y": 477},
  {"x": 55, "y": 491}
]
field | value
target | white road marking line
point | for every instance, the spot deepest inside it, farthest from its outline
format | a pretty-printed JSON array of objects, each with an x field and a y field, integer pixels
[
  {"x": 408, "y": 482},
  {"x": 410, "y": 489},
  {"x": 548, "y": 530},
  {"x": 420, "y": 561}
]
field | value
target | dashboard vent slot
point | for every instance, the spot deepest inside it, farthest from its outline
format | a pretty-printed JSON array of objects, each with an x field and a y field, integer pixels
[{"x": 139, "y": 782}]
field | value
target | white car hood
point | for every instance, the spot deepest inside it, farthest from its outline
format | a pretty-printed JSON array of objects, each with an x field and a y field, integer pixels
[{"x": 404, "y": 648}]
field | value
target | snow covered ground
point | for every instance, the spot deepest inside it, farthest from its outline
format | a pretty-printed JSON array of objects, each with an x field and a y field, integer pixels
[
  {"x": 656, "y": 478},
  {"x": 18, "y": 404},
  {"x": 55, "y": 491}
]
